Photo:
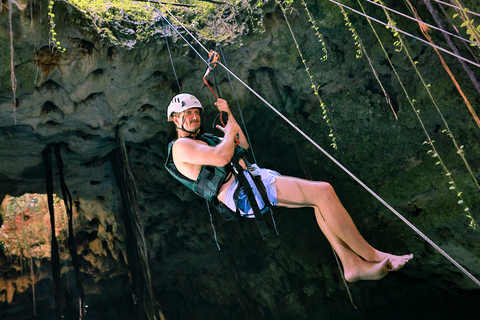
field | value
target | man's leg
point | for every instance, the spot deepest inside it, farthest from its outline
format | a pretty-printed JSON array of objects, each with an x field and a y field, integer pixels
[{"x": 334, "y": 221}]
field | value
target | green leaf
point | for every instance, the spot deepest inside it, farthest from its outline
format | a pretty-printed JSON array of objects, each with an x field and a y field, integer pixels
[
  {"x": 464, "y": 24},
  {"x": 455, "y": 15}
]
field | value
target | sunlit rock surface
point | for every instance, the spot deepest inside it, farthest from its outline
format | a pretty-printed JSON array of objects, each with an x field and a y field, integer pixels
[{"x": 80, "y": 97}]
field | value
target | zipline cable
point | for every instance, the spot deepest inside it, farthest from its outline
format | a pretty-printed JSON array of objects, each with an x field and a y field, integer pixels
[
  {"x": 406, "y": 33},
  {"x": 171, "y": 59},
  {"x": 357, "y": 180},
  {"x": 454, "y": 6},
  {"x": 178, "y": 32},
  {"x": 421, "y": 234},
  {"x": 422, "y": 22},
  {"x": 235, "y": 95},
  {"x": 176, "y": 20}
]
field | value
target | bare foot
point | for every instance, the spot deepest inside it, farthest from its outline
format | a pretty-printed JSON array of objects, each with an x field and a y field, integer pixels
[
  {"x": 397, "y": 262},
  {"x": 364, "y": 270}
]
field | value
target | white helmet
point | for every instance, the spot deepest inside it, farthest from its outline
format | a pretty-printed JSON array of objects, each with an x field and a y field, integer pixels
[{"x": 182, "y": 102}]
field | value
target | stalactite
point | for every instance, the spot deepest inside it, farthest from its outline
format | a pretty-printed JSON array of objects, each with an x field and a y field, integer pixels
[{"x": 137, "y": 255}]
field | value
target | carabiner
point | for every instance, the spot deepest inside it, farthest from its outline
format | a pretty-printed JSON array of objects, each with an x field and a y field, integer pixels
[{"x": 213, "y": 58}]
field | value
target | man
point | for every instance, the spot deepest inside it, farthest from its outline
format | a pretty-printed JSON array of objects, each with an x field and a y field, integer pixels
[{"x": 190, "y": 154}]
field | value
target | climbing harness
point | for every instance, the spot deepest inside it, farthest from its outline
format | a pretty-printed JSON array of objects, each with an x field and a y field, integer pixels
[
  {"x": 211, "y": 178},
  {"x": 241, "y": 175},
  {"x": 435, "y": 246}
]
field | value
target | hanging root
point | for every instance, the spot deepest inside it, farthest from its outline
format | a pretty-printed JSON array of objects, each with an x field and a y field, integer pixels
[
  {"x": 12, "y": 65},
  {"x": 325, "y": 113}
]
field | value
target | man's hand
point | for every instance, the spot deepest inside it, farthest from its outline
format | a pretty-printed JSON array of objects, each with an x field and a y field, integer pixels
[
  {"x": 230, "y": 130},
  {"x": 235, "y": 130},
  {"x": 222, "y": 106}
]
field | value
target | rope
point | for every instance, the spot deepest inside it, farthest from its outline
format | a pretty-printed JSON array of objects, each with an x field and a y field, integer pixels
[
  {"x": 213, "y": 227},
  {"x": 235, "y": 95},
  {"x": 435, "y": 246},
  {"x": 460, "y": 91},
  {"x": 422, "y": 22},
  {"x": 406, "y": 33},
  {"x": 171, "y": 59},
  {"x": 429, "y": 141},
  {"x": 357, "y": 180},
  {"x": 343, "y": 277}
]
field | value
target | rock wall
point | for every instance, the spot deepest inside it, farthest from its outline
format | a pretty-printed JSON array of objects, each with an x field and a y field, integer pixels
[{"x": 78, "y": 98}]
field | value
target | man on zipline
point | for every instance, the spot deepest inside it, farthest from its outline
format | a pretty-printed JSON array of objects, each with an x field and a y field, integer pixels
[{"x": 189, "y": 154}]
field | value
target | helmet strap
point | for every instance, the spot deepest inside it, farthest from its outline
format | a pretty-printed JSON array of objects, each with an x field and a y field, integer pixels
[{"x": 194, "y": 133}]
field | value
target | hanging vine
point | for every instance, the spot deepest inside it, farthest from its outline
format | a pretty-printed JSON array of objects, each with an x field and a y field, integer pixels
[
  {"x": 317, "y": 32},
  {"x": 325, "y": 112},
  {"x": 433, "y": 152},
  {"x": 53, "y": 42},
  {"x": 354, "y": 33},
  {"x": 459, "y": 148}
]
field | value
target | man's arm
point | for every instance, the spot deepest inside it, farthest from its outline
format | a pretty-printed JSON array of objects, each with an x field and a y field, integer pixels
[
  {"x": 197, "y": 153},
  {"x": 222, "y": 105}
]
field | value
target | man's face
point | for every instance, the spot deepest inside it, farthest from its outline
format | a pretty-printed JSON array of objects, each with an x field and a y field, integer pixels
[{"x": 191, "y": 119}]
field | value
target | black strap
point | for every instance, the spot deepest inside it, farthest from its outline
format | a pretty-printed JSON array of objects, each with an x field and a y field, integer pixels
[
  {"x": 257, "y": 179},
  {"x": 259, "y": 218}
]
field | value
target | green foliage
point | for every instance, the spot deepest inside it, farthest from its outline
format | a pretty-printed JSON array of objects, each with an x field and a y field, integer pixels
[
  {"x": 472, "y": 30},
  {"x": 126, "y": 22},
  {"x": 119, "y": 20}
]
